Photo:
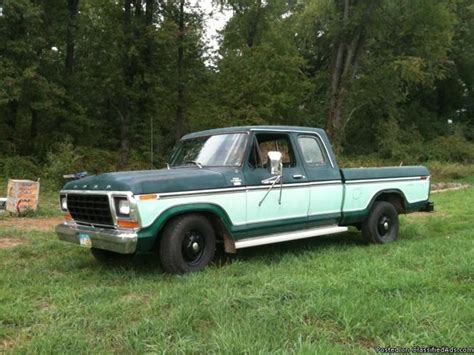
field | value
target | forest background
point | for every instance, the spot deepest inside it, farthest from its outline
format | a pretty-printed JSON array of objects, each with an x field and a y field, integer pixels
[{"x": 102, "y": 85}]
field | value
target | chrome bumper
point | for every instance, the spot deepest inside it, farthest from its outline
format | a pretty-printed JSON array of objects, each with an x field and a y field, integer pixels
[{"x": 119, "y": 241}]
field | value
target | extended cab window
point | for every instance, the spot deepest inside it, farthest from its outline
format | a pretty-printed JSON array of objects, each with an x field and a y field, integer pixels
[
  {"x": 312, "y": 150},
  {"x": 264, "y": 143}
]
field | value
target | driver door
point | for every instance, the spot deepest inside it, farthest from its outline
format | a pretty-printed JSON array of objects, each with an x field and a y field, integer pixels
[{"x": 291, "y": 212}]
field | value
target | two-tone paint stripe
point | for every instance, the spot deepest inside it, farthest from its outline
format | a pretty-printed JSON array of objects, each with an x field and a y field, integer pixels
[
  {"x": 233, "y": 189},
  {"x": 265, "y": 187},
  {"x": 373, "y": 181}
]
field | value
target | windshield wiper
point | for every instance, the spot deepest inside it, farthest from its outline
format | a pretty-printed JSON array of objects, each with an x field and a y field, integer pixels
[{"x": 195, "y": 162}]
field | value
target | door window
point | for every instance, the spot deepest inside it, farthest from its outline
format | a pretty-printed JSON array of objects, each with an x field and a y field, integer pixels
[
  {"x": 265, "y": 143},
  {"x": 312, "y": 150}
]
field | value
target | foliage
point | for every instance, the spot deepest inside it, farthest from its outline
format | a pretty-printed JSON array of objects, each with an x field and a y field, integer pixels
[
  {"x": 18, "y": 167},
  {"x": 122, "y": 80},
  {"x": 442, "y": 171},
  {"x": 65, "y": 159},
  {"x": 452, "y": 148}
]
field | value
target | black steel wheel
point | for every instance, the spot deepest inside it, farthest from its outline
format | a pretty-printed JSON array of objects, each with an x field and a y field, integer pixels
[
  {"x": 193, "y": 247},
  {"x": 382, "y": 224},
  {"x": 187, "y": 244}
]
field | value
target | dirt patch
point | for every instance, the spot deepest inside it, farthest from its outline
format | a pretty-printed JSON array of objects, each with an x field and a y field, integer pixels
[
  {"x": 424, "y": 214},
  {"x": 447, "y": 186},
  {"x": 11, "y": 242},
  {"x": 133, "y": 297},
  {"x": 6, "y": 344},
  {"x": 367, "y": 343},
  {"x": 40, "y": 224}
]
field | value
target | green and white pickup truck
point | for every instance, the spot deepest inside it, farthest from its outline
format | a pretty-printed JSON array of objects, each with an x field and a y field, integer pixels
[{"x": 242, "y": 187}]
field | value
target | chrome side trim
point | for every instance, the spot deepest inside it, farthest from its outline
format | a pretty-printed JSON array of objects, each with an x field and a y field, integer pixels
[
  {"x": 328, "y": 182},
  {"x": 283, "y": 237},
  {"x": 242, "y": 188},
  {"x": 199, "y": 192},
  {"x": 370, "y": 181}
]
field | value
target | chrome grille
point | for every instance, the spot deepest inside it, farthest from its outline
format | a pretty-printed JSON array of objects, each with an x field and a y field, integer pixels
[{"x": 90, "y": 209}]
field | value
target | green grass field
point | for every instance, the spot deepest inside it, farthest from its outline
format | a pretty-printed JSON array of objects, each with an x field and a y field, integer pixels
[{"x": 326, "y": 294}]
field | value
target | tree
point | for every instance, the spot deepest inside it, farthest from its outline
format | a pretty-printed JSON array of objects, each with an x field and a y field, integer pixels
[
  {"x": 347, "y": 48},
  {"x": 260, "y": 72}
]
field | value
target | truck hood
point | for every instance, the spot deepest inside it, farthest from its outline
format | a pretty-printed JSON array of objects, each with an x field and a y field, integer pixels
[{"x": 151, "y": 181}]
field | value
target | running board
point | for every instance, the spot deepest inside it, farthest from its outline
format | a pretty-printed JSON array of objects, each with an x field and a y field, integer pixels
[{"x": 284, "y": 237}]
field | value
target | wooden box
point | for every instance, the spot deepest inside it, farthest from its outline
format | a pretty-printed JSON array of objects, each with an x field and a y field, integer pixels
[{"x": 22, "y": 195}]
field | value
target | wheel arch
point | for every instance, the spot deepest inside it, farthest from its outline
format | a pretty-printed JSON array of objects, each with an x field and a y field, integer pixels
[
  {"x": 394, "y": 196},
  {"x": 216, "y": 215}
]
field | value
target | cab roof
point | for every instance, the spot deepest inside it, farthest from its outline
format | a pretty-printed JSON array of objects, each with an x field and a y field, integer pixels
[{"x": 243, "y": 129}]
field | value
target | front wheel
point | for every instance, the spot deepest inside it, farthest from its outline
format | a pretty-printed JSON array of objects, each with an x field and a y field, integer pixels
[
  {"x": 187, "y": 244},
  {"x": 382, "y": 224}
]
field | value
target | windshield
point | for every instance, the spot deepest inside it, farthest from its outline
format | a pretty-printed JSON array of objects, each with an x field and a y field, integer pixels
[{"x": 218, "y": 150}]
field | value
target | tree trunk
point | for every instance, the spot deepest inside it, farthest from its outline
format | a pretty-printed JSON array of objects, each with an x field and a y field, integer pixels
[
  {"x": 124, "y": 140},
  {"x": 253, "y": 28},
  {"x": 72, "y": 6},
  {"x": 124, "y": 112},
  {"x": 11, "y": 115},
  {"x": 149, "y": 11},
  {"x": 180, "y": 105},
  {"x": 336, "y": 102},
  {"x": 33, "y": 128},
  {"x": 349, "y": 45},
  {"x": 148, "y": 66}
]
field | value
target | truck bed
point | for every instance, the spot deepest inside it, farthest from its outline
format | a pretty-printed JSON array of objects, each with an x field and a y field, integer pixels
[{"x": 384, "y": 173}]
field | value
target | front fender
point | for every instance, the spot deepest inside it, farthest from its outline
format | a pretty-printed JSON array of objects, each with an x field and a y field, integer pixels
[{"x": 147, "y": 237}]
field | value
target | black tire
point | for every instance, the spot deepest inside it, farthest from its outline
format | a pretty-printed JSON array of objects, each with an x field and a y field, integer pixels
[
  {"x": 106, "y": 256},
  {"x": 187, "y": 244},
  {"x": 382, "y": 224}
]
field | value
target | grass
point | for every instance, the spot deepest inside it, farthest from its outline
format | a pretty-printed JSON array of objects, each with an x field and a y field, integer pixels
[{"x": 330, "y": 294}]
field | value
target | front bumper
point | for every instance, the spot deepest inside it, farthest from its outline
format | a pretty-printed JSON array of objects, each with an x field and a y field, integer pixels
[{"x": 119, "y": 241}]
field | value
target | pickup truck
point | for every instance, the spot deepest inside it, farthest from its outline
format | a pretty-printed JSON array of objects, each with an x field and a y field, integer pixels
[{"x": 240, "y": 187}]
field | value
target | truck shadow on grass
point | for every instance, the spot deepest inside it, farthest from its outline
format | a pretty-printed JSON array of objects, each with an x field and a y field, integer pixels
[
  {"x": 273, "y": 253},
  {"x": 146, "y": 263}
]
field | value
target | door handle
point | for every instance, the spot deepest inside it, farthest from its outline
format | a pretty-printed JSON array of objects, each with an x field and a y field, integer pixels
[
  {"x": 298, "y": 176},
  {"x": 270, "y": 180}
]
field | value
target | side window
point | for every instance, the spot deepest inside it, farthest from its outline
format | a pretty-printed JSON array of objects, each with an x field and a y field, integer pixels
[
  {"x": 266, "y": 142},
  {"x": 312, "y": 150}
]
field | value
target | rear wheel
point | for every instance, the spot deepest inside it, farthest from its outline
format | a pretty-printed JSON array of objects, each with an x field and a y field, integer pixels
[
  {"x": 382, "y": 224},
  {"x": 187, "y": 244}
]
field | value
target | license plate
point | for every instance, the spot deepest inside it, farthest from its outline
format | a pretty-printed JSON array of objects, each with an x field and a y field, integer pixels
[{"x": 85, "y": 240}]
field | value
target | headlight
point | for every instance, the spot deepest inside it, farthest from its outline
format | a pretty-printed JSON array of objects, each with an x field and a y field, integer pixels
[
  {"x": 63, "y": 203},
  {"x": 122, "y": 206}
]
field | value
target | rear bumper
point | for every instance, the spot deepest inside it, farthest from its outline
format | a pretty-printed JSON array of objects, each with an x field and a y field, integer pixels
[
  {"x": 119, "y": 241},
  {"x": 427, "y": 207}
]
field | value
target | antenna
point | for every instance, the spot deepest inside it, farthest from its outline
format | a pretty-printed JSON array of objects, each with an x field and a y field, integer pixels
[{"x": 151, "y": 141}]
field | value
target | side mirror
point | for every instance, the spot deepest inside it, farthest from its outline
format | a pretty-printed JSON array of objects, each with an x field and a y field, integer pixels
[{"x": 274, "y": 163}]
